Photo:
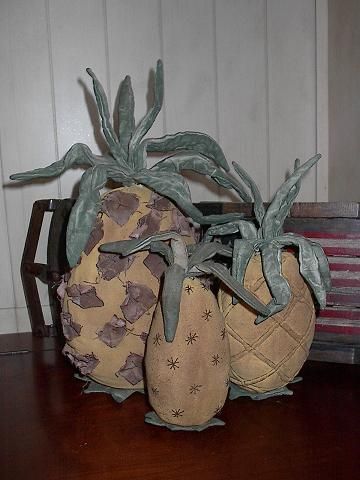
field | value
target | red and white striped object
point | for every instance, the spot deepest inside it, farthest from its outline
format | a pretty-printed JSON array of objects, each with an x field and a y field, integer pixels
[{"x": 342, "y": 312}]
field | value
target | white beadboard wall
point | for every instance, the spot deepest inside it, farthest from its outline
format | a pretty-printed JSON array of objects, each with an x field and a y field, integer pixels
[{"x": 251, "y": 73}]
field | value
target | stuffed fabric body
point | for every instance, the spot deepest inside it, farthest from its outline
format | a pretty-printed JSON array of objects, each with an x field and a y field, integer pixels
[
  {"x": 269, "y": 355},
  {"x": 109, "y": 300},
  {"x": 188, "y": 378}
]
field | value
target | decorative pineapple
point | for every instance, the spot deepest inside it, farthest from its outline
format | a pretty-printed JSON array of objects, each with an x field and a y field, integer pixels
[
  {"x": 266, "y": 356},
  {"x": 187, "y": 356},
  {"x": 108, "y": 302}
]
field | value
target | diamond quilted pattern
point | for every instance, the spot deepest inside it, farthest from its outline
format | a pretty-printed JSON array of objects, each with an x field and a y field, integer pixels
[{"x": 269, "y": 355}]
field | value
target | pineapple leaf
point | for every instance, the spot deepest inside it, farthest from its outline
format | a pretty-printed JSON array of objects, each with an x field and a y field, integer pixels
[
  {"x": 246, "y": 228},
  {"x": 174, "y": 187},
  {"x": 126, "y": 108},
  {"x": 273, "y": 309},
  {"x": 205, "y": 251},
  {"x": 194, "y": 141},
  {"x": 259, "y": 208},
  {"x": 84, "y": 212},
  {"x": 164, "y": 250},
  {"x": 293, "y": 193},
  {"x": 109, "y": 133},
  {"x": 295, "y": 189},
  {"x": 171, "y": 299},
  {"x": 323, "y": 264},
  {"x": 277, "y": 284},
  {"x": 201, "y": 164},
  {"x": 121, "y": 174},
  {"x": 78, "y": 155},
  {"x": 222, "y": 273},
  {"x": 315, "y": 275},
  {"x": 282, "y": 201},
  {"x": 242, "y": 253},
  {"x": 137, "y": 161},
  {"x": 127, "y": 247}
]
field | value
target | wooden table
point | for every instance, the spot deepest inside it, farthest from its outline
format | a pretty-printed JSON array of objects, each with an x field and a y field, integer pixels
[{"x": 49, "y": 429}]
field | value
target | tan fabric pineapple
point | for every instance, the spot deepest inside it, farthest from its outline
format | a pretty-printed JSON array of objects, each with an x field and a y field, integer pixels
[
  {"x": 109, "y": 301},
  {"x": 267, "y": 352},
  {"x": 268, "y": 356},
  {"x": 188, "y": 378},
  {"x": 187, "y": 355}
]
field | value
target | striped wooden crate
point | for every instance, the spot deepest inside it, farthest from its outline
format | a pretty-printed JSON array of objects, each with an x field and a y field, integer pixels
[{"x": 336, "y": 226}]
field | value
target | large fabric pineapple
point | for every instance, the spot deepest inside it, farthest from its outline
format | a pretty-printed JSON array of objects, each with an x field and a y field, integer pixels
[
  {"x": 267, "y": 355},
  {"x": 108, "y": 302}
]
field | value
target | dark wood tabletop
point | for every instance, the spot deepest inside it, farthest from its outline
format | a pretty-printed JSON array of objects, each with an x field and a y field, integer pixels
[{"x": 50, "y": 429}]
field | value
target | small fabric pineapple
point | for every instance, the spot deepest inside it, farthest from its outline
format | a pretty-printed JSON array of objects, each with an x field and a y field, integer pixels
[{"x": 187, "y": 356}]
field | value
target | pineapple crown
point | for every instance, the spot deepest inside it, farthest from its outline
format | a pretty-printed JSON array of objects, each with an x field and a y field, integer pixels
[
  {"x": 268, "y": 239},
  {"x": 184, "y": 261},
  {"x": 126, "y": 163}
]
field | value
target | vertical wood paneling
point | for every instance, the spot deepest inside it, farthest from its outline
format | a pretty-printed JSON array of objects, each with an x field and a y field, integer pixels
[
  {"x": 242, "y": 75},
  {"x": 7, "y": 122},
  {"x": 248, "y": 72},
  {"x": 7, "y": 300},
  {"x": 190, "y": 92},
  {"x": 292, "y": 90},
  {"x": 322, "y": 100},
  {"x": 8, "y": 320},
  {"x": 77, "y": 42},
  {"x": 27, "y": 133},
  {"x": 134, "y": 51},
  {"x": 344, "y": 100}
]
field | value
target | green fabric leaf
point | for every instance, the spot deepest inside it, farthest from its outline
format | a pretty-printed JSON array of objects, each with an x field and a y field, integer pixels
[
  {"x": 126, "y": 107},
  {"x": 205, "y": 251},
  {"x": 200, "y": 164},
  {"x": 121, "y": 173},
  {"x": 259, "y": 208},
  {"x": 164, "y": 250},
  {"x": 109, "y": 133},
  {"x": 118, "y": 394},
  {"x": 154, "y": 419},
  {"x": 278, "y": 285},
  {"x": 293, "y": 193},
  {"x": 78, "y": 156},
  {"x": 84, "y": 212},
  {"x": 171, "y": 299},
  {"x": 246, "y": 228},
  {"x": 222, "y": 273},
  {"x": 281, "y": 203},
  {"x": 194, "y": 141},
  {"x": 137, "y": 161},
  {"x": 288, "y": 202},
  {"x": 128, "y": 247},
  {"x": 236, "y": 391},
  {"x": 174, "y": 187},
  {"x": 323, "y": 265},
  {"x": 243, "y": 250},
  {"x": 309, "y": 265},
  {"x": 296, "y": 188}
]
